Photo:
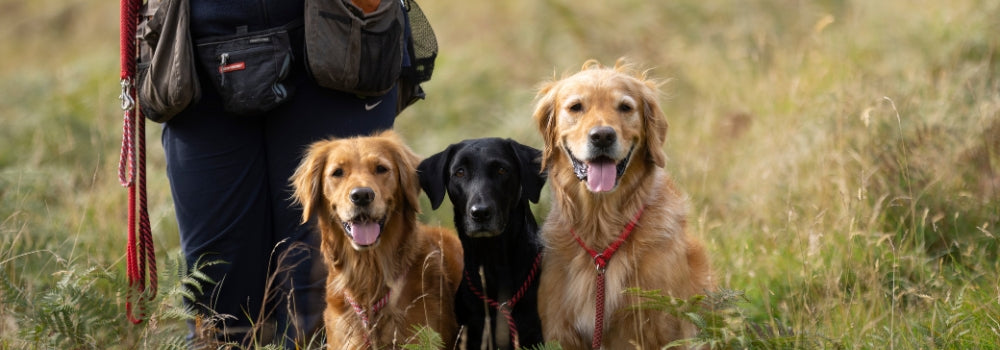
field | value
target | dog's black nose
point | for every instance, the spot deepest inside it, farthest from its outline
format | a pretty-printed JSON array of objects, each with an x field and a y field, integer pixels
[
  {"x": 362, "y": 196},
  {"x": 603, "y": 136},
  {"x": 481, "y": 212}
]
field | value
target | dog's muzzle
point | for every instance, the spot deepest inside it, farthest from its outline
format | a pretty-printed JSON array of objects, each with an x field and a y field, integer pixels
[
  {"x": 601, "y": 173},
  {"x": 364, "y": 231},
  {"x": 482, "y": 222}
]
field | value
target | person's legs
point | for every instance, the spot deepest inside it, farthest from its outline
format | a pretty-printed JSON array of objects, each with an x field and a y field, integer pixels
[
  {"x": 314, "y": 114},
  {"x": 218, "y": 178}
]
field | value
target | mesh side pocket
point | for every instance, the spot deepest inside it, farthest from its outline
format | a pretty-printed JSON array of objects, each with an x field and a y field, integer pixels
[{"x": 425, "y": 46}]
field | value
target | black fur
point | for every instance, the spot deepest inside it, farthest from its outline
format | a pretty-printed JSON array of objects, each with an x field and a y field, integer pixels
[{"x": 490, "y": 182}]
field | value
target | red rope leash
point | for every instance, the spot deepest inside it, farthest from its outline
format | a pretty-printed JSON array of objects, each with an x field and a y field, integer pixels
[
  {"x": 132, "y": 174},
  {"x": 508, "y": 306},
  {"x": 363, "y": 314},
  {"x": 601, "y": 262}
]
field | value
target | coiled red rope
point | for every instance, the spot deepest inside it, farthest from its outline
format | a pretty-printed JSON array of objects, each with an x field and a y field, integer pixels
[{"x": 139, "y": 254}]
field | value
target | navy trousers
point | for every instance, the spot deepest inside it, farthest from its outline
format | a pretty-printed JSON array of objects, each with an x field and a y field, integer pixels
[{"x": 229, "y": 177}]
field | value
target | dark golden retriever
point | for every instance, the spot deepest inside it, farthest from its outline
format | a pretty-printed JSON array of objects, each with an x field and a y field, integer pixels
[
  {"x": 617, "y": 221},
  {"x": 387, "y": 272}
]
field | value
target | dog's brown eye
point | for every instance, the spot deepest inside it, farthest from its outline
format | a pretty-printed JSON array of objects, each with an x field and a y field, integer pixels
[
  {"x": 381, "y": 169},
  {"x": 576, "y": 107},
  {"x": 459, "y": 173},
  {"x": 502, "y": 171},
  {"x": 624, "y": 108},
  {"x": 337, "y": 173}
]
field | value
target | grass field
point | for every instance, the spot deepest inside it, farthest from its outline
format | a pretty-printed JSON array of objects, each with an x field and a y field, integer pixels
[{"x": 842, "y": 158}]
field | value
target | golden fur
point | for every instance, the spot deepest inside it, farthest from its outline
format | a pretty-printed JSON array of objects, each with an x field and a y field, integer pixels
[
  {"x": 658, "y": 255},
  {"x": 421, "y": 265}
]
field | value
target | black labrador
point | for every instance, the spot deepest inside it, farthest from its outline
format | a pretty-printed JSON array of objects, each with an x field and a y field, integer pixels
[{"x": 490, "y": 182}]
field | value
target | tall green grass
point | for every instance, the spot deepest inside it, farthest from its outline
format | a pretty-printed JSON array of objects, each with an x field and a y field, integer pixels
[{"x": 842, "y": 160}]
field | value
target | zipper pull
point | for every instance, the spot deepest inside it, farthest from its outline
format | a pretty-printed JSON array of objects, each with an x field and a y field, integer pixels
[{"x": 224, "y": 59}]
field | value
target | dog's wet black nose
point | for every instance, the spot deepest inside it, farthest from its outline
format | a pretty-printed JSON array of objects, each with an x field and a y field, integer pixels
[
  {"x": 603, "y": 136},
  {"x": 362, "y": 196},
  {"x": 481, "y": 212}
]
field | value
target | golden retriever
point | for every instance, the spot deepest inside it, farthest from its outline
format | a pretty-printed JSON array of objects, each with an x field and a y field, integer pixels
[
  {"x": 387, "y": 271},
  {"x": 603, "y": 133}
]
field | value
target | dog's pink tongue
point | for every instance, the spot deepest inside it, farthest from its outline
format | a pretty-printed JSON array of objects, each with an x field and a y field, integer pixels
[
  {"x": 365, "y": 234},
  {"x": 601, "y": 176}
]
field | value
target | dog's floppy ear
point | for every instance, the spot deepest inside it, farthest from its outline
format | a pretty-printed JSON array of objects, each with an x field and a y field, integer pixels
[
  {"x": 434, "y": 174},
  {"x": 545, "y": 120},
  {"x": 532, "y": 177},
  {"x": 654, "y": 123},
  {"x": 307, "y": 181},
  {"x": 406, "y": 162}
]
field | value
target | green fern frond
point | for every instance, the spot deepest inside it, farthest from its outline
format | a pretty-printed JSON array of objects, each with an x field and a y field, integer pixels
[
  {"x": 546, "y": 346},
  {"x": 721, "y": 323},
  {"x": 174, "y": 343},
  {"x": 426, "y": 339}
]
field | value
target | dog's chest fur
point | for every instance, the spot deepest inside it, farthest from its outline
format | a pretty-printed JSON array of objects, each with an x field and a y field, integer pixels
[
  {"x": 657, "y": 243},
  {"x": 580, "y": 296},
  {"x": 411, "y": 289}
]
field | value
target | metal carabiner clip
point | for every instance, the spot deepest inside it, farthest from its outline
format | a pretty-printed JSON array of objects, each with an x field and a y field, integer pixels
[
  {"x": 128, "y": 103},
  {"x": 504, "y": 307},
  {"x": 600, "y": 264}
]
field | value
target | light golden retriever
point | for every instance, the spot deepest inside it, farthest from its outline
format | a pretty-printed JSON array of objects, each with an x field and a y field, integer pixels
[
  {"x": 603, "y": 132},
  {"x": 387, "y": 272}
]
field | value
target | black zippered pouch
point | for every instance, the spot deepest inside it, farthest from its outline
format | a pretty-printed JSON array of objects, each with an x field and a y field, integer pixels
[{"x": 249, "y": 68}]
